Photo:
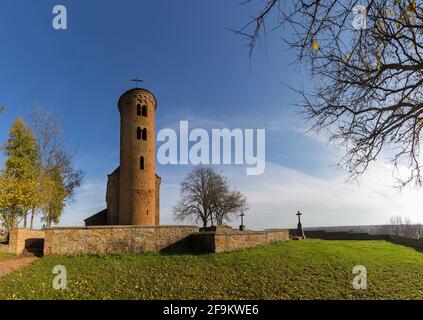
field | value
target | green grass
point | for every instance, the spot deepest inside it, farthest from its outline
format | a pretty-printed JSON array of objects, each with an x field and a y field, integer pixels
[
  {"x": 5, "y": 256},
  {"x": 311, "y": 269}
]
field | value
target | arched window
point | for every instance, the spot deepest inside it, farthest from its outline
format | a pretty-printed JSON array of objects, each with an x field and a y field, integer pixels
[
  {"x": 139, "y": 133},
  {"x": 144, "y": 111},
  {"x": 144, "y": 134},
  {"x": 139, "y": 110},
  {"x": 142, "y": 164}
]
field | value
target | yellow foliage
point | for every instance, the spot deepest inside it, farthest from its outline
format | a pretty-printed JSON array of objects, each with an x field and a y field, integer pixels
[
  {"x": 411, "y": 7},
  {"x": 19, "y": 194},
  {"x": 346, "y": 58}
]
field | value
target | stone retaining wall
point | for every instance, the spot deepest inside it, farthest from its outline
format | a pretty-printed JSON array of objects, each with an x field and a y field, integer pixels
[
  {"x": 413, "y": 243},
  {"x": 340, "y": 235},
  {"x": 231, "y": 239},
  {"x": 117, "y": 239},
  {"x": 21, "y": 239},
  {"x": 344, "y": 235},
  {"x": 135, "y": 239},
  {"x": 4, "y": 248}
]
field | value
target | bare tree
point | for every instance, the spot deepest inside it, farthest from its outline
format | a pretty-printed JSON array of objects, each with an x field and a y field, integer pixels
[
  {"x": 409, "y": 228},
  {"x": 396, "y": 225},
  {"x": 206, "y": 197},
  {"x": 232, "y": 203},
  {"x": 403, "y": 227},
  {"x": 56, "y": 162},
  {"x": 367, "y": 90},
  {"x": 419, "y": 231}
]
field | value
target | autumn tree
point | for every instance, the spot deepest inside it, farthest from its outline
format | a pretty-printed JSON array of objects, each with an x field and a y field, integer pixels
[
  {"x": 60, "y": 179},
  {"x": 19, "y": 189},
  {"x": 21, "y": 151},
  {"x": 17, "y": 196},
  {"x": 366, "y": 62},
  {"x": 207, "y": 198}
]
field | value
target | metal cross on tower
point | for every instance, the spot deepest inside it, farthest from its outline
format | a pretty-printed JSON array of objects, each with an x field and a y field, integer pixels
[{"x": 137, "y": 81}]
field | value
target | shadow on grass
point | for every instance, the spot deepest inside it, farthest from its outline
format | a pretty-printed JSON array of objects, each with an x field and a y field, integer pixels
[
  {"x": 416, "y": 247},
  {"x": 182, "y": 247}
]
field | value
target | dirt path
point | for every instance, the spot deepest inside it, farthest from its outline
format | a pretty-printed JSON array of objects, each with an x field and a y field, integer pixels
[{"x": 10, "y": 265}]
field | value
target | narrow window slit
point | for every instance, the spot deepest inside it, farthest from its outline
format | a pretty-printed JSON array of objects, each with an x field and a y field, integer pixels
[{"x": 142, "y": 164}]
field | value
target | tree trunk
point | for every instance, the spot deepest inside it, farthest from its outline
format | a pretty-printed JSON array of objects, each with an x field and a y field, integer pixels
[
  {"x": 219, "y": 219},
  {"x": 211, "y": 221},
  {"x": 48, "y": 217},
  {"x": 25, "y": 222},
  {"x": 32, "y": 218}
]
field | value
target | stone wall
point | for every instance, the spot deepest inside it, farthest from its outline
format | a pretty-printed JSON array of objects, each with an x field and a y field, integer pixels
[
  {"x": 227, "y": 239},
  {"x": 4, "y": 248},
  {"x": 135, "y": 239},
  {"x": 21, "y": 239},
  {"x": 342, "y": 235},
  {"x": 413, "y": 243},
  {"x": 117, "y": 239},
  {"x": 339, "y": 235}
]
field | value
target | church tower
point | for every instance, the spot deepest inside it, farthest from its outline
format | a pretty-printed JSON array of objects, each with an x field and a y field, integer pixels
[
  {"x": 133, "y": 189},
  {"x": 138, "y": 183}
]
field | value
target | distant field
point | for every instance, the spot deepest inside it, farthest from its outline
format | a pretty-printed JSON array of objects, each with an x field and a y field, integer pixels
[{"x": 311, "y": 269}]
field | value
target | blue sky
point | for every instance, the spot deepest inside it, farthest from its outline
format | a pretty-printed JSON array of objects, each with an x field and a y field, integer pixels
[{"x": 199, "y": 71}]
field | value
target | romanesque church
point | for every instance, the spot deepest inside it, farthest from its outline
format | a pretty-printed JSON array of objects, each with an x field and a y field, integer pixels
[{"x": 133, "y": 189}]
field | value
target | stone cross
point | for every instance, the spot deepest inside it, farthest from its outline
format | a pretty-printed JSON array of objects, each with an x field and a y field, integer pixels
[
  {"x": 300, "y": 231},
  {"x": 299, "y": 214},
  {"x": 242, "y": 227}
]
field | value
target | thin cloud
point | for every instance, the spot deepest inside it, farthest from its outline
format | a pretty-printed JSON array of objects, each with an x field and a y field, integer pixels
[{"x": 276, "y": 196}]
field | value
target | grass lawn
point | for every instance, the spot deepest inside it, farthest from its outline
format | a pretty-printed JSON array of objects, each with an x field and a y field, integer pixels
[
  {"x": 6, "y": 256},
  {"x": 310, "y": 269}
]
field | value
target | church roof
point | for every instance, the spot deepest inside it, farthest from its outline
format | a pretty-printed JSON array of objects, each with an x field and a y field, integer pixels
[{"x": 134, "y": 91}]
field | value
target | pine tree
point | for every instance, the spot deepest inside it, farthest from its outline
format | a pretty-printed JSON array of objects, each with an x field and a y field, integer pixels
[
  {"x": 21, "y": 150},
  {"x": 19, "y": 179}
]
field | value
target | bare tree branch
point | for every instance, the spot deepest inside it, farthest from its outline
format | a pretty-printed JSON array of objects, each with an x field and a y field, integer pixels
[
  {"x": 206, "y": 197},
  {"x": 367, "y": 92}
]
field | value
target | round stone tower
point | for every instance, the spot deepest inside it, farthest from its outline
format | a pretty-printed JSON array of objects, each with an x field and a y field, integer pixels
[{"x": 137, "y": 181}]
